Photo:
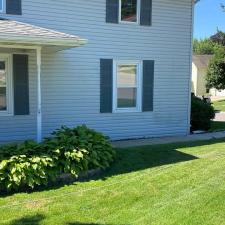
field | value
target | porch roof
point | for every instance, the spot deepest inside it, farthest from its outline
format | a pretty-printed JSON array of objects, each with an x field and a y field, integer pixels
[{"x": 17, "y": 33}]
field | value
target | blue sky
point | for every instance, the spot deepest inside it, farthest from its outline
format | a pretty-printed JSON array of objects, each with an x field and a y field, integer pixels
[{"x": 208, "y": 17}]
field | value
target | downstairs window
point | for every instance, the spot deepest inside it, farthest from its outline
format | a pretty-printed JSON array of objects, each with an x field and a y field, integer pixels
[
  {"x": 127, "y": 87},
  {"x": 5, "y": 86}
]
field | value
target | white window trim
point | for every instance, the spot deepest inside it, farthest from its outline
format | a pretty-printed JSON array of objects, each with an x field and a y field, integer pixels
[
  {"x": 3, "y": 7},
  {"x": 9, "y": 85},
  {"x": 138, "y": 108},
  {"x": 138, "y": 13}
]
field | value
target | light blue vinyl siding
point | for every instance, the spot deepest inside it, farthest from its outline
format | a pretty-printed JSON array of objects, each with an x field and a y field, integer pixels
[{"x": 71, "y": 78}]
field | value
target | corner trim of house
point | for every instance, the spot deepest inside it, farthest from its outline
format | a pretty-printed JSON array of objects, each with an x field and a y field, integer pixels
[{"x": 190, "y": 77}]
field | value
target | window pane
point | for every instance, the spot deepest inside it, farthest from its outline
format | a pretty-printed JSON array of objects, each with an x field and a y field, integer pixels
[
  {"x": 3, "y": 106},
  {"x": 2, "y": 74},
  {"x": 1, "y": 5},
  {"x": 129, "y": 10},
  {"x": 127, "y": 75},
  {"x": 2, "y": 65},
  {"x": 127, "y": 97}
]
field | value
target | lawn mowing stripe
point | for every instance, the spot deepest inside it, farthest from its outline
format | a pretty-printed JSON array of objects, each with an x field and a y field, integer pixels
[
  {"x": 129, "y": 179},
  {"x": 123, "y": 202},
  {"x": 183, "y": 197},
  {"x": 84, "y": 190},
  {"x": 117, "y": 208}
]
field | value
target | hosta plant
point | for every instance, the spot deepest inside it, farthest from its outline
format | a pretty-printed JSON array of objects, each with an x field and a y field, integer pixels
[{"x": 68, "y": 150}]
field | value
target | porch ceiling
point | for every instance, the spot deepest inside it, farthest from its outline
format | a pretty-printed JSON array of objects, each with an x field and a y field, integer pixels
[{"x": 14, "y": 33}]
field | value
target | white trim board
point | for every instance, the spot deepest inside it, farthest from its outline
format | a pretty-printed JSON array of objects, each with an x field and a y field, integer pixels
[
  {"x": 9, "y": 84},
  {"x": 116, "y": 63},
  {"x": 138, "y": 13}
]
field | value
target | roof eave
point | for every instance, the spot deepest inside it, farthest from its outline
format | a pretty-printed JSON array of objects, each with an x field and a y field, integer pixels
[{"x": 42, "y": 41}]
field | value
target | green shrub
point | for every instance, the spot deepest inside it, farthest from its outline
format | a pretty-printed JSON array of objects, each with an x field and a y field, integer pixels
[
  {"x": 201, "y": 114},
  {"x": 208, "y": 47},
  {"x": 215, "y": 77},
  {"x": 21, "y": 171},
  {"x": 80, "y": 149},
  {"x": 27, "y": 148},
  {"x": 24, "y": 165},
  {"x": 68, "y": 151}
]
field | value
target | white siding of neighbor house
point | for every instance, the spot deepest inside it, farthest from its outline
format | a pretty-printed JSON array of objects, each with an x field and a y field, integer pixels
[
  {"x": 201, "y": 90},
  {"x": 71, "y": 78},
  {"x": 198, "y": 80},
  {"x": 194, "y": 79},
  {"x": 217, "y": 93}
]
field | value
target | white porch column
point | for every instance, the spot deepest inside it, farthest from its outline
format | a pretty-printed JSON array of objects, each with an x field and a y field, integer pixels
[{"x": 39, "y": 103}]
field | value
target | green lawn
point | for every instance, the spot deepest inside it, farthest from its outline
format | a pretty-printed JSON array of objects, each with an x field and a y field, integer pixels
[
  {"x": 179, "y": 184},
  {"x": 219, "y": 105}
]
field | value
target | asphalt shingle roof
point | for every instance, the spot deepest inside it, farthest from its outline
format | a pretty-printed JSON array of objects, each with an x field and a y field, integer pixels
[
  {"x": 202, "y": 61},
  {"x": 12, "y": 31},
  {"x": 18, "y": 28}
]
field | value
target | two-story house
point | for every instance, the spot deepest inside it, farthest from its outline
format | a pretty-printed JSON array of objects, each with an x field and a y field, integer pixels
[{"x": 122, "y": 67}]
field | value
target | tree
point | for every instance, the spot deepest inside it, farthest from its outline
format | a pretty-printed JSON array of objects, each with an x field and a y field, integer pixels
[
  {"x": 218, "y": 38},
  {"x": 219, "y": 44},
  {"x": 223, "y": 7},
  {"x": 215, "y": 77},
  {"x": 203, "y": 47},
  {"x": 215, "y": 45},
  {"x": 208, "y": 47}
]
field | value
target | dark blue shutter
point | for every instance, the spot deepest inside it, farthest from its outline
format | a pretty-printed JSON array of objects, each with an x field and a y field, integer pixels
[
  {"x": 106, "y": 85},
  {"x": 21, "y": 84},
  {"x": 146, "y": 13},
  {"x": 112, "y": 11},
  {"x": 14, "y": 7},
  {"x": 148, "y": 85}
]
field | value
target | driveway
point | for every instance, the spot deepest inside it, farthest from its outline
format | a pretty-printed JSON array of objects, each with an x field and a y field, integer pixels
[
  {"x": 217, "y": 98},
  {"x": 220, "y": 117}
]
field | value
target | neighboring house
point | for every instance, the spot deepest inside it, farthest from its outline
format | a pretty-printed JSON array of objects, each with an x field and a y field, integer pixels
[
  {"x": 119, "y": 66},
  {"x": 217, "y": 93},
  {"x": 200, "y": 65}
]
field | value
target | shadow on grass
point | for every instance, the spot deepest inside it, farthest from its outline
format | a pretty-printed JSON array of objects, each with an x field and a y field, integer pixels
[
  {"x": 78, "y": 223},
  {"x": 217, "y": 126},
  {"x": 217, "y": 111},
  {"x": 29, "y": 220},
  {"x": 141, "y": 158},
  {"x": 37, "y": 219},
  {"x": 137, "y": 159}
]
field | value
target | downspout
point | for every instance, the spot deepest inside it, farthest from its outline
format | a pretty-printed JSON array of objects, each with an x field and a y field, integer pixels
[
  {"x": 191, "y": 53},
  {"x": 39, "y": 99}
]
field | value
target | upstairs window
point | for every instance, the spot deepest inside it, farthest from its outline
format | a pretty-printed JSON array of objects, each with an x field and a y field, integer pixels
[
  {"x": 1, "y": 6},
  {"x": 129, "y": 11},
  {"x": 11, "y": 7}
]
